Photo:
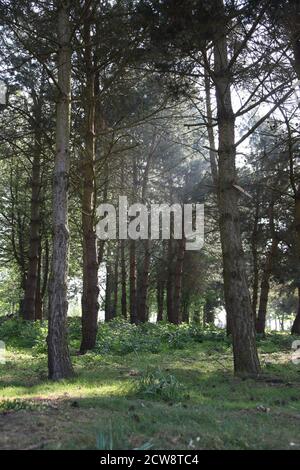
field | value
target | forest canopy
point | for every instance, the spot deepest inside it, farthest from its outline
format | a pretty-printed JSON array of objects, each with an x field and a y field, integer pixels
[{"x": 181, "y": 104}]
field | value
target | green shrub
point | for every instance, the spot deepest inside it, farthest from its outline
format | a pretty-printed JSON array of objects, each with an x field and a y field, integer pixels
[
  {"x": 23, "y": 334},
  {"x": 156, "y": 384},
  {"x": 74, "y": 328},
  {"x": 117, "y": 337}
]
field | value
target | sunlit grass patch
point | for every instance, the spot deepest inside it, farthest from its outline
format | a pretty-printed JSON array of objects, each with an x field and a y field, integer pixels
[{"x": 175, "y": 398}]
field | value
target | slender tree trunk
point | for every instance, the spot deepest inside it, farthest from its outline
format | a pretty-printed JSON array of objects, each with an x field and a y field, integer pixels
[
  {"x": 45, "y": 269},
  {"x": 143, "y": 272},
  {"x": 210, "y": 132},
  {"x": 263, "y": 303},
  {"x": 44, "y": 278},
  {"x": 109, "y": 288},
  {"x": 132, "y": 282},
  {"x": 123, "y": 258},
  {"x": 31, "y": 285},
  {"x": 237, "y": 298},
  {"x": 59, "y": 363},
  {"x": 170, "y": 282},
  {"x": 160, "y": 288},
  {"x": 296, "y": 324},
  {"x": 38, "y": 298},
  {"x": 32, "y": 273},
  {"x": 266, "y": 274},
  {"x": 254, "y": 243},
  {"x": 100, "y": 126},
  {"x": 185, "y": 308},
  {"x": 123, "y": 280},
  {"x": 132, "y": 259},
  {"x": 116, "y": 281},
  {"x": 143, "y": 283},
  {"x": 178, "y": 279},
  {"x": 90, "y": 291},
  {"x": 293, "y": 31},
  {"x": 292, "y": 26},
  {"x": 213, "y": 157},
  {"x": 160, "y": 301},
  {"x": 208, "y": 311}
]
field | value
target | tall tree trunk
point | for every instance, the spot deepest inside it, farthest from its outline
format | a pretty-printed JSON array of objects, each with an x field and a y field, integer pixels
[
  {"x": 90, "y": 290},
  {"x": 266, "y": 274},
  {"x": 109, "y": 288},
  {"x": 17, "y": 229},
  {"x": 296, "y": 324},
  {"x": 123, "y": 280},
  {"x": 143, "y": 272},
  {"x": 59, "y": 362},
  {"x": 254, "y": 243},
  {"x": 213, "y": 157},
  {"x": 143, "y": 282},
  {"x": 32, "y": 273},
  {"x": 210, "y": 132},
  {"x": 132, "y": 282},
  {"x": 293, "y": 30},
  {"x": 123, "y": 258},
  {"x": 178, "y": 279},
  {"x": 45, "y": 269},
  {"x": 160, "y": 287},
  {"x": 185, "y": 308},
  {"x": 132, "y": 258},
  {"x": 38, "y": 314},
  {"x": 31, "y": 285},
  {"x": 237, "y": 298},
  {"x": 160, "y": 291},
  {"x": 44, "y": 278},
  {"x": 116, "y": 280},
  {"x": 208, "y": 311},
  {"x": 170, "y": 282}
]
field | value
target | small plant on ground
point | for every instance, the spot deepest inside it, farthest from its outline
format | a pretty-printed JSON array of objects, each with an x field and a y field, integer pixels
[{"x": 157, "y": 384}]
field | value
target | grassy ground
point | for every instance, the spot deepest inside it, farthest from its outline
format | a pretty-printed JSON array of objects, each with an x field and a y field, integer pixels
[{"x": 181, "y": 396}]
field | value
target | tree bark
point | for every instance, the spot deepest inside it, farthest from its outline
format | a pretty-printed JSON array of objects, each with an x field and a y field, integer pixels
[
  {"x": 296, "y": 324},
  {"x": 45, "y": 269},
  {"x": 266, "y": 274},
  {"x": 59, "y": 362},
  {"x": 132, "y": 282},
  {"x": 210, "y": 132},
  {"x": 254, "y": 243},
  {"x": 208, "y": 311},
  {"x": 178, "y": 279},
  {"x": 90, "y": 292},
  {"x": 143, "y": 272},
  {"x": 109, "y": 288},
  {"x": 143, "y": 282},
  {"x": 170, "y": 282},
  {"x": 293, "y": 30},
  {"x": 132, "y": 258},
  {"x": 185, "y": 308},
  {"x": 38, "y": 313},
  {"x": 116, "y": 281},
  {"x": 160, "y": 294},
  {"x": 237, "y": 298},
  {"x": 160, "y": 288},
  {"x": 32, "y": 272},
  {"x": 31, "y": 284},
  {"x": 123, "y": 280}
]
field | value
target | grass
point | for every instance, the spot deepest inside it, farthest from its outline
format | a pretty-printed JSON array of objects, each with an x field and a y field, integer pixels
[{"x": 177, "y": 396}]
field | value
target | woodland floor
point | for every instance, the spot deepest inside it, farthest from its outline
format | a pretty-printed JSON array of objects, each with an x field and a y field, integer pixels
[{"x": 183, "y": 398}]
